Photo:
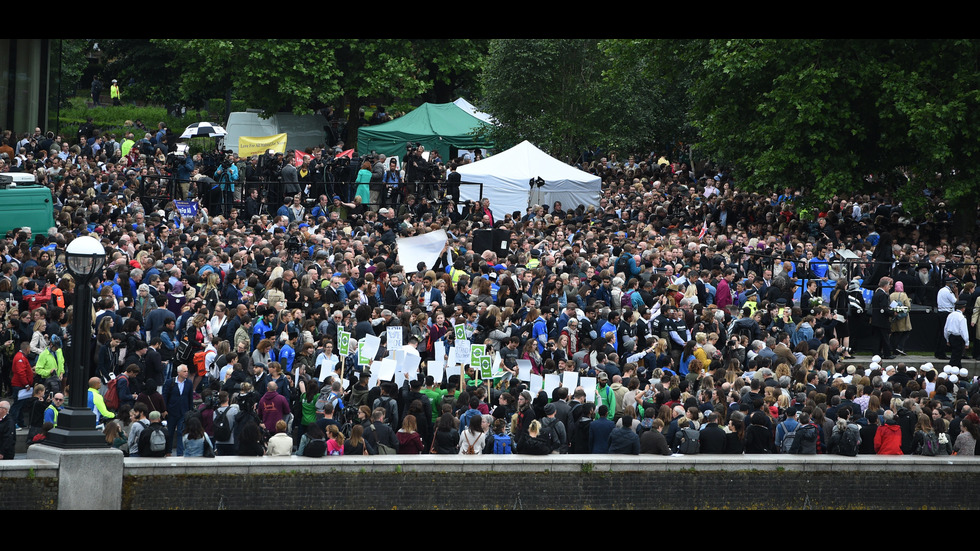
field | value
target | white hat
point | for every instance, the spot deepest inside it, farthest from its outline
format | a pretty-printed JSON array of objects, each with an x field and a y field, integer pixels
[
  {"x": 851, "y": 369},
  {"x": 910, "y": 368},
  {"x": 949, "y": 369},
  {"x": 874, "y": 365},
  {"x": 927, "y": 367},
  {"x": 953, "y": 378},
  {"x": 876, "y": 359},
  {"x": 889, "y": 368},
  {"x": 942, "y": 375},
  {"x": 964, "y": 372}
]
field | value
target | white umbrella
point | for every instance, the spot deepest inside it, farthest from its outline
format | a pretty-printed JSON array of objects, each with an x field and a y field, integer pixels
[{"x": 203, "y": 129}]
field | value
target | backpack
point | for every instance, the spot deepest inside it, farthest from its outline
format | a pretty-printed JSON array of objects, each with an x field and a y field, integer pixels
[
  {"x": 690, "y": 441},
  {"x": 848, "y": 444},
  {"x": 383, "y": 449},
  {"x": 183, "y": 352},
  {"x": 622, "y": 264},
  {"x": 222, "y": 427},
  {"x": 315, "y": 448},
  {"x": 111, "y": 397},
  {"x": 502, "y": 444},
  {"x": 787, "y": 442},
  {"x": 470, "y": 450},
  {"x": 153, "y": 441},
  {"x": 391, "y": 411},
  {"x": 328, "y": 396},
  {"x": 930, "y": 444},
  {"x": 549, "y": 433},
  {"x": 626, "y": 300}
]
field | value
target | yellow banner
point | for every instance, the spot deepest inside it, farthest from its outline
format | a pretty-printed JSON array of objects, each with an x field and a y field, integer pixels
[{"x": 248, "y": 146}]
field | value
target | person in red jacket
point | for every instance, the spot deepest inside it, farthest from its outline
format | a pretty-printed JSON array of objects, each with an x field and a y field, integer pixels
[
  {"x": 888, "y": 438},
  {"x": 22, "y": 376}
]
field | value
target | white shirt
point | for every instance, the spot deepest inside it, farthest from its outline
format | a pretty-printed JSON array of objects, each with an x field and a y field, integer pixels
[
  {"x": 945, "y": 300},
  {"x": 956, "y": 325}
]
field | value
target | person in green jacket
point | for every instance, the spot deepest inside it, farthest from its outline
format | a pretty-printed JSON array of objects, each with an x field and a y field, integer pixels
[
  {"x": 606, "y": 395},
  {"x": 52, "y": 360},
  {"x": 96, "y": 403}
]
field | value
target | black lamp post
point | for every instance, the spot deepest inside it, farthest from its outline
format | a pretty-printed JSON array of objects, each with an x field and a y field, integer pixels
[{"x": 84, "y": 258}]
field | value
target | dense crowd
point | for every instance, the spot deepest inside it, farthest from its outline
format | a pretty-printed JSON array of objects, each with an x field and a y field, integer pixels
[{"x": 678, "y": 293}]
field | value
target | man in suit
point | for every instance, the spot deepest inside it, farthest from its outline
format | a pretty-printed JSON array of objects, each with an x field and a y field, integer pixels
[
  {"x": 881, "y": 314},
  {"x": 179, "y": 395}
]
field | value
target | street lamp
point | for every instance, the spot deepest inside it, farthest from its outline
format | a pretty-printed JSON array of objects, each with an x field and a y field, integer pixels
[{"x": 84, "y": 258}]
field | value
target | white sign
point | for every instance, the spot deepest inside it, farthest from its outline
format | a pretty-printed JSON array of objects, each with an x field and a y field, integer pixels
[
  {"x": 422, "y": 248},
  {"x": 394, "y": 333}
]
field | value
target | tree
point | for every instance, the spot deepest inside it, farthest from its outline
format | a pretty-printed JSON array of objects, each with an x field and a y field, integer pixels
[
  {"x": 450, "y": 66},
  {"x": 842, "y": 116},
  {"x": 646, "y": 90},
  {"x": 545, "y": 91},
  {"x": 147, "y": 62}
]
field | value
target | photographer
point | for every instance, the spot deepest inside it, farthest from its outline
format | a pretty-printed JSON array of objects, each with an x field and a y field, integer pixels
[
  {"x": 393, "y": 189},
  {"x": 227, "y": 175},
  {"x": 290, "y": 177}
]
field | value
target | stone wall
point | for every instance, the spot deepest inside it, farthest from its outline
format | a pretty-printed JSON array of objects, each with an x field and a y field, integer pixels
[{"x": 521, "y": 482}]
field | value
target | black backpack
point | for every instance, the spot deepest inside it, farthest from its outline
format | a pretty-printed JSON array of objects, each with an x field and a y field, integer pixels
[
  {"x": 549, "y": 433},
  {"x": 848, "y": 443},
  {"x": 222, "y": 426},
  {"x": 690, "y": 441},
  {"x": 316, "y": 447},
  {"x": 622, "y": 265}
]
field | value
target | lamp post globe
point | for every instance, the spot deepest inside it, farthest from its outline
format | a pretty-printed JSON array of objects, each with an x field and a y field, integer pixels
[{"x": 84, "y": 258}]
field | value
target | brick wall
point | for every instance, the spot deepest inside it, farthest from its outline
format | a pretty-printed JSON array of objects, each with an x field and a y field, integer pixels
[
  {"x": 28, "y": 493},
  {"x": 557, "y": 490}
]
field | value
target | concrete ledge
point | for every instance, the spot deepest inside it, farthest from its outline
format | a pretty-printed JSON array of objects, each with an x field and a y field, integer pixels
[
  {"x": 28, "y": 468},
  {"x": 551, "y": 463}
]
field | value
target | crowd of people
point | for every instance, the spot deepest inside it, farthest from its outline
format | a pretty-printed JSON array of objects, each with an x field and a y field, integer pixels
[{"x": 217, "y": 334}]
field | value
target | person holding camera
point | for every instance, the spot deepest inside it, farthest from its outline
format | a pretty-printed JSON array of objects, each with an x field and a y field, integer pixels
[
  {"x": 290, "y": 178},
  {"x": 227, "y": 176}
]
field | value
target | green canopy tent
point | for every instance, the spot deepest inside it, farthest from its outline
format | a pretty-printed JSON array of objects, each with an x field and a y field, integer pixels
[{"x": 437, "y": 126}]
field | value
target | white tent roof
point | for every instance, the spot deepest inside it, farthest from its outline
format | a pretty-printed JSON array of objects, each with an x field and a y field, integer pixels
[
  {"x": 505, "y": 178},
  {"x": 472, "y": 110}
]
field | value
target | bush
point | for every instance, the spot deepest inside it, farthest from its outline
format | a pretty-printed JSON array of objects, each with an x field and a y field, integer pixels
[{"x": 112, "y": 120}]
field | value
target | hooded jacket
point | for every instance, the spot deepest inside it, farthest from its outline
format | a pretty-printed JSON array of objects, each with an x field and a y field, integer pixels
[{"x": 888, "y": 439}]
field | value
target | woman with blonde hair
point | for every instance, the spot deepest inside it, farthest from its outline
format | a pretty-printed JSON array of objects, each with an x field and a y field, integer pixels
[{"x": 335, "y": 440}]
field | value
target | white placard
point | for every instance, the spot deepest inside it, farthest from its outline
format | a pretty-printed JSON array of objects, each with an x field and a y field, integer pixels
[
  {"x": 451, "y": 359},
  {"x": 385, "y": 369},
  {"x": 536, "y": 384},
  {"x": 569, "y": 380},
  {"x": 394, "y": 333},
  {"x": 551, "y": 382},
  {"x": 588, "y": 385},
  {"x": 328, "y": 369},
  {"x": 524, "y": 370},
  {"x": 410, "y": 363},
  {"x": 371, "y": 346},
  {"x": 463, "y": 352},
  {"x": 436, "y": 368},
  {"x": 422, "y": 248}
]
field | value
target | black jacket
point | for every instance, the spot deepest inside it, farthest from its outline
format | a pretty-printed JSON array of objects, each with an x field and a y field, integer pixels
[{"x": 713, "y": 439}]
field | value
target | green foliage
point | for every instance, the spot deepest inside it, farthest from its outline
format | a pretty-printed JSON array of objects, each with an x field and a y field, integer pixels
[
  {"x": 68, "y": 54},
  {"x": 840, "y": 116},
  {"x": 112, "y": 119},
  {"x": 545, "y": 91}
]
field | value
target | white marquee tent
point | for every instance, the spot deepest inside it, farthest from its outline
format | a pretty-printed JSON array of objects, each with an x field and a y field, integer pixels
[{"x": 505, "y": 178}]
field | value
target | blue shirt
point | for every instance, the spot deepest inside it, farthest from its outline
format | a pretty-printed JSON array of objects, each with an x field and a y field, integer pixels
[
  {"x": 286, "y": 357},
  {"x": 540, "y": 333}
]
